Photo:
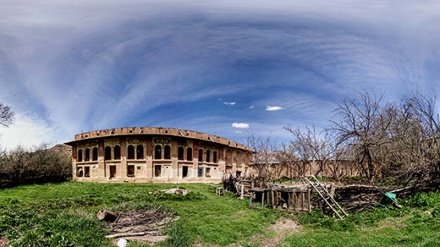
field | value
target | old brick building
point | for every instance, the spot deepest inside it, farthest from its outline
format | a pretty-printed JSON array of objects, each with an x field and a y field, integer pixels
[{"x": 147, "y": 154}]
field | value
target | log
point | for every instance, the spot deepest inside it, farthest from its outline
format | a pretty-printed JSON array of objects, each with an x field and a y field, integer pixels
[
  {"x": 130, "y": 234},
  {"x": 104, "y": 215}
]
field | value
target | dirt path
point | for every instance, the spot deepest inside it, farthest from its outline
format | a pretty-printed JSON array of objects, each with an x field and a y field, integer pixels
[
  {"x": 272, "y": 236},
  {"x": 276, "y": 233}
]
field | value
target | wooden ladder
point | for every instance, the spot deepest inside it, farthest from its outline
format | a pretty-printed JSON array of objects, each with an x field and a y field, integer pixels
[{"x": 326, "y": 196}]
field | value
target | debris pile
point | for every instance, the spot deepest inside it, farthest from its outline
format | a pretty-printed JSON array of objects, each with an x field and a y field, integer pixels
[
  {"x": 303, "y": 196},
  {"x": 145, "y": 225}
]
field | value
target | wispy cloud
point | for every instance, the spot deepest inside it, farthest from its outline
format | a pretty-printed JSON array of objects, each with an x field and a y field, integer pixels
[
  {"x": 79, "y": 65},
  {"x": 240, "y": 125},
  {"x": 273, "y": 108}
]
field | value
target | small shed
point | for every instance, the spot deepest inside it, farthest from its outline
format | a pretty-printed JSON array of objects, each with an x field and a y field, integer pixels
[{"x": 292, "y": 198}]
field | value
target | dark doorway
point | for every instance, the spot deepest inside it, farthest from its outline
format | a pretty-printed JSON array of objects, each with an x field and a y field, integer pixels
[
  {"x": 130, "y": 171},
  {"x": 184, "y": 171},
  {"x": 112, "y": 171}
]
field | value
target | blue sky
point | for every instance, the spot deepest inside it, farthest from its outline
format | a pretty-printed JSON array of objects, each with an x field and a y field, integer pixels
[{"x": 219, "y": 67}]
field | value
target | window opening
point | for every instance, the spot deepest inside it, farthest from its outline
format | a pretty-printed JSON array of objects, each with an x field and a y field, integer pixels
[
  {"x": 200, "y": 172},
  {"x": 184, "y": 171},
  {"x": 108, "y": 153},
  {"x": 130, "y": 152},
  {"x": 214, "y": 157},
  {"x": 208, "y": 155},
  {"x": 157, "y": 170},
  {"x": 208, "y": 172},
  {"x": 189, "y": 154},
  {"x": 180, "y": 153},
  {"x": 200, "y": 155},
  {"x": 87, "y": 171},
  {"x": 117, "y": 152},
  {"x": 238, "y": 174},
  {"x": 79, "y": 172},
  {"x": 167, "y": 152},
  {"x": 87, "y": 154},
  {"x": 95, "y": 153},
  {"x": 80, "y": 155},
  {"x": 158, "y": 152},
  {"x": 140, "y": 152},
  {"x": 112, "y": 171},
  {"x": 228, "y": 157},
  {"x": 130, "y": 171}
]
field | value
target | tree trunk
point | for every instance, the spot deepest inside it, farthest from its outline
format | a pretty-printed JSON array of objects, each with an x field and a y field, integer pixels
[{"x": 106, "y": 216}]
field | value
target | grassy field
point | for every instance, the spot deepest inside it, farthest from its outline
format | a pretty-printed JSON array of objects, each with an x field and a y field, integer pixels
[{"x": 65, "y": 215}]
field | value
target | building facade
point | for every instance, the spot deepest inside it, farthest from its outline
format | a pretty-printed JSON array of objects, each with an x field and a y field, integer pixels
[{"x": 147, "y": 154}]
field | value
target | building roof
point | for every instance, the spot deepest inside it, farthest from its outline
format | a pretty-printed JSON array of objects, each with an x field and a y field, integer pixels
[{"x": 156, "y": 131}]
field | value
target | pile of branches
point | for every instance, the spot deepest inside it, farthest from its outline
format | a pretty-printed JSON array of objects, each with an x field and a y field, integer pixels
[{"x": 146, "y": 225}]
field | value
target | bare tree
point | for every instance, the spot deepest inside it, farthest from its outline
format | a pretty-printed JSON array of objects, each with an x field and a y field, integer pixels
[
  {"x": 362, "y": 125},
  {"x": 414, "y": 155},
  {"x": 310, "y": 146},
  {"x": 6, "y": 115},
  {"x": 289, "y": 159},
  {"x": 264, "y": 156}
]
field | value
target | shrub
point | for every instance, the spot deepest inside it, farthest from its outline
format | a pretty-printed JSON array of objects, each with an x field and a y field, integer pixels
[{"x": 39, "y": 165}]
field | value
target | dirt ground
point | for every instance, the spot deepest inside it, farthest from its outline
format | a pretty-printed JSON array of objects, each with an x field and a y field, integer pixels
[
  {"x": 273, "y": 235},
  {"x": 277, "y": 232},
  {"x": 3, "y": 242}
]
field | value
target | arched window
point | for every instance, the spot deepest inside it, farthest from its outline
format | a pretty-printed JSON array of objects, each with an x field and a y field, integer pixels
[
  {"x": 139, "y": 152},
  {"x": 239, "y": 158},
  {"x": 87, "y": 154},
  {"x": 167, "y": 152},
  {"x": 130, "y": 152},
  {"x": 189, "y": 154},
  {"x": 208, "y": 155},
  {"x": 200, "y": 155},
  {"x": 95, "y": 153},
  {"x": 158, "y": 152},
  {"x": 214, "y": 157},
  {"x": 108, "y": 153},
  {"x": 80, "y": 155},
  {"x": 180, "y": 153},
  {"x": 228, "y": 157},
  {"x": 117, "y": 152}
]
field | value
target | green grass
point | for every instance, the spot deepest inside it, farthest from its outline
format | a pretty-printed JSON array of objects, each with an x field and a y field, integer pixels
[
  {"x": 417, "y": 224},
  {"x": 64, "y": 214}
]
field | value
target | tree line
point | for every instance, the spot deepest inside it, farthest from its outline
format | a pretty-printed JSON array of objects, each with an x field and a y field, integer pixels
[
  {"x": 385, "y": 141},
  {"x": 39, "y": 164}
]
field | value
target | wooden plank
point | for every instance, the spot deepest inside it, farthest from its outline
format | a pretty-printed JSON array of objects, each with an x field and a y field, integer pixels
[
  {"x": 250, "y": 199},
  {"x": 273, "y": 199},
  {"x": 309, "y": 200}
]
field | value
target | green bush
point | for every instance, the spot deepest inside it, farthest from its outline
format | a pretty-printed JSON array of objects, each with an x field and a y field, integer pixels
[{"x": 424, "y": 200}]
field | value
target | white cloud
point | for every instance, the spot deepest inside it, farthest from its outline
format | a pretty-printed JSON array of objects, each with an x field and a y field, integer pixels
[
  {"x": 251, "y": 107},
  {"x": 240, "y": 125},
  {"x": 229, "y": 103},
  {"x": 273, "y": 108},
  {"x": 27, "y": 131}
]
